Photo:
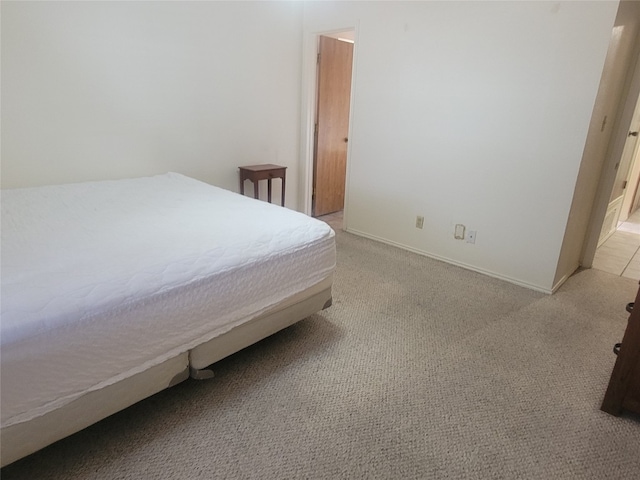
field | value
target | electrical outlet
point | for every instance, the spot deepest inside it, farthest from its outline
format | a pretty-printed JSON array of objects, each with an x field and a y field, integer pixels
[
  {"x": 419, "y": 221},
  {"x": 471, "y": 236},
  {"x": 458, "y": 233}
]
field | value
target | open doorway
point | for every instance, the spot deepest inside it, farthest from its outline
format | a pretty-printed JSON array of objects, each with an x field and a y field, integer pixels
[
  {"x": 601, "y": 192},
  {"x": 331, "y": 124},
  {"x": 618, "y": 249},
  {"x": 630, "y": 185},
  {"x": 623, "y": 200}
]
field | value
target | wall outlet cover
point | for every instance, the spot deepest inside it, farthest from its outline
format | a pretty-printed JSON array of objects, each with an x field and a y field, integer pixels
[{"x": 471, "y": 236}]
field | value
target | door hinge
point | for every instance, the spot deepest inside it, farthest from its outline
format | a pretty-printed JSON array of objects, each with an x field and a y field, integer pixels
[
  {"x": 318, "y": 58},
  {"x": 624, "y": 184}
]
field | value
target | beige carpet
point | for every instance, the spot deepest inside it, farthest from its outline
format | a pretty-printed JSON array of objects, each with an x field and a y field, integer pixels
[{"x": 420, "y": 370}]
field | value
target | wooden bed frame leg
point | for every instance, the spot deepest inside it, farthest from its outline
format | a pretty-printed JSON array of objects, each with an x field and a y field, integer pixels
[{"x": 203, "y": 374}]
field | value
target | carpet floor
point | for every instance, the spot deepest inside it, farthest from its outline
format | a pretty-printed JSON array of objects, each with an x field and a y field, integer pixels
[{"x": 419, "y": 370}]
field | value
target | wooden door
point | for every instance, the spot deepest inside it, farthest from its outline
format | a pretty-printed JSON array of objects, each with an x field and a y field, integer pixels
[{"x": 335, "y": 61}]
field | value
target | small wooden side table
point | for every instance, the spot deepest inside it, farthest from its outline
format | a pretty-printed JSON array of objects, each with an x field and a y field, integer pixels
[{"x": 267, "y": 172}]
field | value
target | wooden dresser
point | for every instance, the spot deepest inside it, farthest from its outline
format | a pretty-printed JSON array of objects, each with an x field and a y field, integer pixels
[{"x": 623, "y": 392}]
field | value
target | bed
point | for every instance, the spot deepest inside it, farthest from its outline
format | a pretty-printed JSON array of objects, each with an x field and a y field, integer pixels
[{"x": 115, "y": 290}]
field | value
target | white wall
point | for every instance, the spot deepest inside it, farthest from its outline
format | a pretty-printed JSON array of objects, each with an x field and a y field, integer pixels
[
  {"x": 100, "y": 90},
  {"x": 473, "y": 113},
  {"x": 463, "y": 112}
]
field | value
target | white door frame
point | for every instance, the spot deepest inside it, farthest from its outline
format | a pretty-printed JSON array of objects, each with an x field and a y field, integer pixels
[
  {"x": 308, "y": 115},
  {"x": 634, "y": 170},
  {"x": 609, "y": 170}
]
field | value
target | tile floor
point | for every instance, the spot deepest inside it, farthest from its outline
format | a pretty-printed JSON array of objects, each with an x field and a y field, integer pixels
[{"x": 620, "y": 254}]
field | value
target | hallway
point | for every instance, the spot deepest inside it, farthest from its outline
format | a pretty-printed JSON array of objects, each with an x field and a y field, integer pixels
[{"x": 620, "y": 253}]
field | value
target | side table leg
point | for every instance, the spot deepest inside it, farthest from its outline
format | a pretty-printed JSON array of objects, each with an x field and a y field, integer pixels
[
  {"x": 256, "y": 192},
  {"x": 283, "y": 185},
  {"x": 269, "y": 190}
]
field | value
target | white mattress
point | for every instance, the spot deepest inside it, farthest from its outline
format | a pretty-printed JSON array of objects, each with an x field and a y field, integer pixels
[{"x": 103, "y": 280}]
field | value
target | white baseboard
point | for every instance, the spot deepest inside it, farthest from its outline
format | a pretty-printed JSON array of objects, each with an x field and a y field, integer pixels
[{"x": 489, "y": 273}]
